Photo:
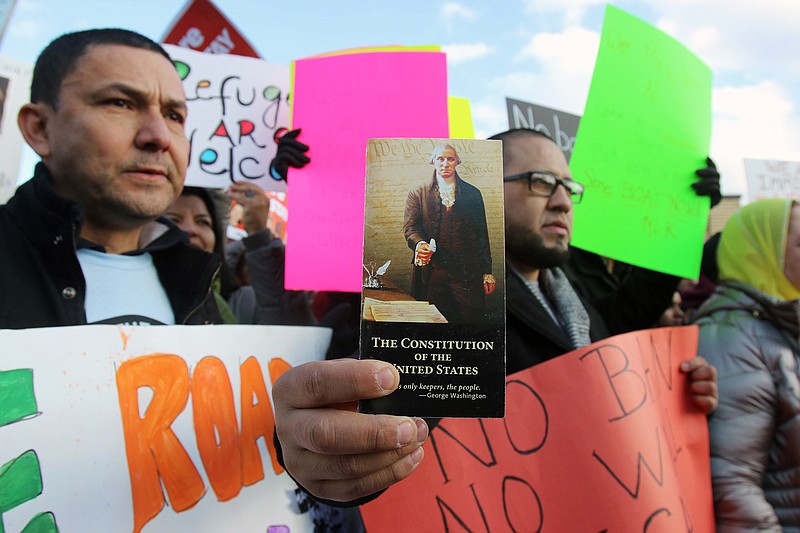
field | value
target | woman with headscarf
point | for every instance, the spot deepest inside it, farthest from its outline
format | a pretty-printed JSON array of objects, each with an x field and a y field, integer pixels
[{"x": 749, "y": 330}]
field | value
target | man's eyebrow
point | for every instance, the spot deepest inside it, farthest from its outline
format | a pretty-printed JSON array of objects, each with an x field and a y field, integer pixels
[{"x": 141, "y": 96}]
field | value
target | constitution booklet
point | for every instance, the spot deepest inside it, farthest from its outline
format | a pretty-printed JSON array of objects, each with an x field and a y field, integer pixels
[{"x": 433, "y": 298}]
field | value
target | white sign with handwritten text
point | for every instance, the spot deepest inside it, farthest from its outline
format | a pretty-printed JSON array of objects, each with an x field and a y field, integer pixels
[
  {"x": 162, "y": 428},
  {"x": 772, "y": 179}
]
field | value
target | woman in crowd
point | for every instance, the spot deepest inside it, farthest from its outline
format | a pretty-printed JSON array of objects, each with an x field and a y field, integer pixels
[
  {"x": 194, "y": 211},
  {"x": 749, "y": 330},
  {"x": 264, "y": 300}
]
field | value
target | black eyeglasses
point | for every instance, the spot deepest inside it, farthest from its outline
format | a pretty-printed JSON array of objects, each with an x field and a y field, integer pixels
[{"x": 544, "y": 183}]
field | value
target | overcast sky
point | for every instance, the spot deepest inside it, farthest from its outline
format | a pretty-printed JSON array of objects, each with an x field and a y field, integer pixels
[{"x": 540, "y": 51}]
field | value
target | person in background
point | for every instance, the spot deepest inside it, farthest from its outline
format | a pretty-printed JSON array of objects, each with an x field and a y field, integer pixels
[
  {"x": 673, "y": 315},
  {"x": 693, "y": 294},
  {"x": 194, "y": 212},
  {"x": 750, "y": 330},
  {"x": 262, "y": 257}
]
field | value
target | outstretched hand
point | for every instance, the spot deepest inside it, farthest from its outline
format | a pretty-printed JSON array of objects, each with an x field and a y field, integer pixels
[
  {"x": 331, "y": 450},
  {"x": 702, "y": 383},
  {"x": 291, "y": 153}
]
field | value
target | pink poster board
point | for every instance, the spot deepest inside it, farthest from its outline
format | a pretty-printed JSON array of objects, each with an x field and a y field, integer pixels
[{"x": 340, "y": 102}]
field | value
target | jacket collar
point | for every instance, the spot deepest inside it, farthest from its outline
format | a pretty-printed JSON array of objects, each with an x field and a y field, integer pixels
[
  {"x": 524, "y": 306},
  {"x": 60, "y": 219},
  {"x": 734, "y": 295}
]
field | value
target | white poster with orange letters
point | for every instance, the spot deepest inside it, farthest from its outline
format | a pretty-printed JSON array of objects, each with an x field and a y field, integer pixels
[{"x": 111, "y": 428}]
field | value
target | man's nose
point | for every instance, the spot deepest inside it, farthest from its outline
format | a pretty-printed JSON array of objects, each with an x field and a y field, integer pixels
[
  {"x": 154, "y": 133},
  {"x": 561, "y": 199}
]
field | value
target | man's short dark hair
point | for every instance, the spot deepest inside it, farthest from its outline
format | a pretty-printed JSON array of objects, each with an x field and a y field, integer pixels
[
  {"x": 517, "y": 133},
  {"x": 58, "y": 59}
]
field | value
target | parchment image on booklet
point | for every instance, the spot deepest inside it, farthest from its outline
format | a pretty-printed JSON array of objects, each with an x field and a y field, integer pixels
[{"x": 433, "y": 298}]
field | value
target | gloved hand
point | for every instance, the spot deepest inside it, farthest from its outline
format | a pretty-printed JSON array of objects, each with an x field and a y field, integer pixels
[
  {"x": 709, "y": 183},
  {"x": 291, "y": 153}
]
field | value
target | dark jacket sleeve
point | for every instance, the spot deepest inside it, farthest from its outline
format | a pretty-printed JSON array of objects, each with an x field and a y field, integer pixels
[
  {"x": 633, "y": 301},
  {"x": 639, "y": 302},
  {"x": 266, "y": 258},
  {"x": 413, "y": 219}
]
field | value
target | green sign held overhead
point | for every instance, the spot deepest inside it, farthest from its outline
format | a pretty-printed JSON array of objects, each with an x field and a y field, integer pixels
[{"x": 645, "y": 132}]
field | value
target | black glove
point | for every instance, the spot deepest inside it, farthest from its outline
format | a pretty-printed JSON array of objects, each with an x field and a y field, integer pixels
[
  {"x": 709, "y": 183},
  {"x": 291, "y": 153}
]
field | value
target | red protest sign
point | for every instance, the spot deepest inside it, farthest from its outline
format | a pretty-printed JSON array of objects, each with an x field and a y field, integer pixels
[
  {"x": 602, "y": 438},
  {"x": 201, "y": 26}
]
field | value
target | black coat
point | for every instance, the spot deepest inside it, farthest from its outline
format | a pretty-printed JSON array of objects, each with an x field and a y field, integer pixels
[
  {"x": 629, "y": 299},
  {"x": 41, "y": 281},
  {"x": 531, "y": 335}
]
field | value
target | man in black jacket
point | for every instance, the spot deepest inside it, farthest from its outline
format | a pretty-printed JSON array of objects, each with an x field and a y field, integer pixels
[
  {"x": 545, "y": 316},
  {"x": 106, "y": 117}
]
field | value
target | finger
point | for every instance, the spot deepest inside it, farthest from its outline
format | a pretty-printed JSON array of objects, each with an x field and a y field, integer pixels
[
  {"x": 352, "y": 489},
  {"x": 244, "y": 186},
  {"x": 703, "y": 388},
  {"x": 295, "y": 160},
  {"x": 324, "y": 383},
  {"x": 704, "y": 373},
  {"x": 706, "y": 403},
  {"x": 292, "y": 134},
  {"x": 290, "y": 144},
  {"x": 705, "y": 188},
  {"x": 335, "y": 432},
  {"x": 691, "y": 364},
  {"x": 708, "y": 173},
  {"x": 335, "y": 466}
]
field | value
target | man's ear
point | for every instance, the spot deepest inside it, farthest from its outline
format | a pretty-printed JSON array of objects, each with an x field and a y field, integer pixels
[{"x": 33, "y": 121}]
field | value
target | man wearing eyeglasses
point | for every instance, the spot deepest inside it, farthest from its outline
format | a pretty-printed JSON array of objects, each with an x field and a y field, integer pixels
[{"x": 545, "y": 317}]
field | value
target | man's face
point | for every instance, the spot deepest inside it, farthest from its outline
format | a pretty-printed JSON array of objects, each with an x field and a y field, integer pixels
[
  {"x": 445, "y": 163},
  {"x": 116, "y": 142},
  {"x": 538, "y": 228}
]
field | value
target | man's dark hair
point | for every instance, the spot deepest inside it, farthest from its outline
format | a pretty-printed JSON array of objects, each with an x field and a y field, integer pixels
[
  {"x": 59, "y": 58},
  {"x": 515, "y": 134},
  {"x": 519, "y": 132}
]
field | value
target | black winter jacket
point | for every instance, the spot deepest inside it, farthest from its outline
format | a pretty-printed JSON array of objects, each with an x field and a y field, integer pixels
[
  {"x": 531, "y": 335},
  {"x": 41, "y": 281}
]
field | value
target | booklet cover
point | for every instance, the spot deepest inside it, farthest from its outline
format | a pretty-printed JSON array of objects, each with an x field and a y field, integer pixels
[{"x": 433, "y": 299}]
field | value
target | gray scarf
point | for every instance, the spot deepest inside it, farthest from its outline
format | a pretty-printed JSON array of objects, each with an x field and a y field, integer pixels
[{"x": 573, "y": 315}]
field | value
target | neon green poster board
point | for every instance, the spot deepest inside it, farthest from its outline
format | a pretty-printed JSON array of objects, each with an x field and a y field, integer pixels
[{"x": 645, "y": 131}]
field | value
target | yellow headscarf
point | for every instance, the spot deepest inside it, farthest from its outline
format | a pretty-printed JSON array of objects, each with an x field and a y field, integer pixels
[{"x": 752, "y": 248}]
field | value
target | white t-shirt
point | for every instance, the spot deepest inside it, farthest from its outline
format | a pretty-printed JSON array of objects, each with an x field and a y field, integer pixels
[{"x": 123, "y": 289}]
